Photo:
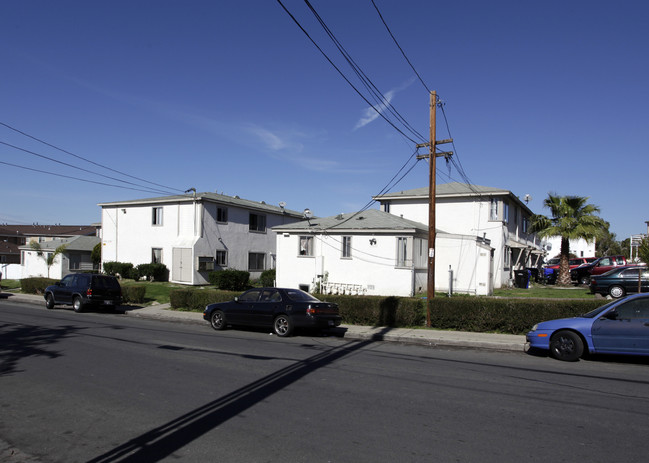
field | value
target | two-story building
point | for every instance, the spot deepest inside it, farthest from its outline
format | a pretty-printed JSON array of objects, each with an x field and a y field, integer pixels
[
  {"x": 492, "y": 213},
  {"x": 193, "y": 234}
]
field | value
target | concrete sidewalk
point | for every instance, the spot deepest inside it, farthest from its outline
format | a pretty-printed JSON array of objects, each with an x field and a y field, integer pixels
[{"x": 424, "y": 337}]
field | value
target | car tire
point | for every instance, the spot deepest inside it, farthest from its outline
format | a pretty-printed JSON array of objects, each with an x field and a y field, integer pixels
[
  {"x": 584, "y": 280},
  {"x": 283, "y": 326},
  {"x": 77, "y": 304},
  {"x": 616, "y": 291},
  {"x": 217, "y": 320},
  {"x": 49, "y": 302},
  {"x": 566, "y": 345}
]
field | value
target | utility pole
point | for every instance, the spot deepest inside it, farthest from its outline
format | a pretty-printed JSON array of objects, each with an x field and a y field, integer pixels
[{"x": 432, "y": 162}]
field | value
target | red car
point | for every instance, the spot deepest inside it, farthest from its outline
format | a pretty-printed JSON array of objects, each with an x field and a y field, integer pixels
[{"x": 583, "y": 273}]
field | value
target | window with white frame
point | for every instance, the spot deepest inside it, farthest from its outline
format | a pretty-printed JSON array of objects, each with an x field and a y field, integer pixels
[
  {"x": 156, "y": 216},
  {"x": 221, "y": 258},
  {"x": 402, "y": 251},
  {"x": 347, "y": 247},
  {"x": 156, "y": 255},
  {"x": 507, "y": 258},
  {"x": 222, "y": 214},
  {"x": 257, "y": 223},
  {"x": 256, "y": 261},
  {"x": 306, "y": 246},
  {"x": 505, "y": 212},
  {"x": 493, "y": 210},
  {"x": 526, "y": 224}
]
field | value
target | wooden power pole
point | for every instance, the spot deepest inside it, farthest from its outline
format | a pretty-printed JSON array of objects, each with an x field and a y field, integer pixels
[{"x": 432, "y": 162}]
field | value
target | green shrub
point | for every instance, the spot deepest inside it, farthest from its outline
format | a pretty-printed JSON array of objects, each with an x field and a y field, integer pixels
[
  {"x": 267, "y": 278},
  {"x": 514, "y": 316},
  {"x": 230, "y": 280},
  {"x": 124, "y": 269},
  {"x": 36, "y": 285},
  {"x": 152, "y": 272},
  {"x": 197, "y": 299},
  {"x": 378, "y": 310},
  {"x": 133, "y": 293}
]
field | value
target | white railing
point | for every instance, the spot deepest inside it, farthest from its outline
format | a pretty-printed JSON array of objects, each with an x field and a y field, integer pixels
[{"x": 343, "y": 288}]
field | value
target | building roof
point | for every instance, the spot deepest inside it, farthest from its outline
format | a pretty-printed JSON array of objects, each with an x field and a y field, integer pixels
[
  {"x": 47, "y": 230},
  {"x": 76, "y": 243},
  {"x": 209, "y": 197},
  {"x": 370, "y": 219},
  {"x": 451, "y": 190}
]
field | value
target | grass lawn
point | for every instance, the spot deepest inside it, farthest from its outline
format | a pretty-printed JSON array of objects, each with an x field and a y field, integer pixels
[
  {"x": 156, "y": 291},
  {"x": 547, "y": 291}
]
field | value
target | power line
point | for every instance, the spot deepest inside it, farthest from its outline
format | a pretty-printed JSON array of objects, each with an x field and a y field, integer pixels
[
  {"x": 87, "y": 160},
  {"x": 75, "y": 167},
  {"x": 342, "y": 74},
  {"x": 399, "y": 46},
  {"x": 74, "y": 178}
]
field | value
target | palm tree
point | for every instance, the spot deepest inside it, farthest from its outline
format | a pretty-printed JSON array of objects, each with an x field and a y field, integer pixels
[
  {"x": 50, "y": 258},
  {"x": 572, "y": 218}
]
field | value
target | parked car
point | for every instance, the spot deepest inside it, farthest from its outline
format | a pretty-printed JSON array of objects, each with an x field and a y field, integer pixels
[
  {"x": 280, "y": 308},
  {"x": 551, "y": 268},
  {"x": 619, "y": 327},
  {"x": 583, "y": 273},
  {"x": 84, "y": 289},
  {"x": 620, "y": 281}
]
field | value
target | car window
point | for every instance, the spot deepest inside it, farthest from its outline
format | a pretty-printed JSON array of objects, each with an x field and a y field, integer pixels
[
  {"x": 634, "y": 309},
  {"x": 604, "y": 261},
  {"x": 299, "y": 295},
  {"x": 250, "y": 296},
  {"x": 67, "y": 280},
  {"x": 103, "y": 282},
  {"x": 270, "y": 295},
  {"x": 629, "y": 273},
  {"x": 619, "y": 260}
]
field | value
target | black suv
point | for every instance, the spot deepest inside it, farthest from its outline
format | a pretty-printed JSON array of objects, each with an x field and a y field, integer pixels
[{"x": 84, "y": 289}]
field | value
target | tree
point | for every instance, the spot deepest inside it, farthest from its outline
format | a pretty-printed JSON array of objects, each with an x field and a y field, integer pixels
[
  {"x": 607, "y": 244},
  {"x": 50, "y": 257},
  {"x": 643, "y": 250},
  {"x": 571, "y": 218}
]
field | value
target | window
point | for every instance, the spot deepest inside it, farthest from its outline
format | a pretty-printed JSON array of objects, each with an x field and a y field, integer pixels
[
  {"x": 347, "y": 247},
  {"x": 74, "y": 262},
  {"x": 507, "y": 258},
  {"x": 156, "y": 216},
  {"x": 257, "y": 223},
  {"x": 270, "y": 295},
  {"x": 221, "y": 258},
  {"x": 205, "y": 264},
  {"x": 156, "y": 255},
  {"x": 250, "y": 296},
  {"x": 222, "y": 214},
  {"x": 386, "y": 206},
  {"x": 526, "y": 224},
  {"x": 256, "y": 261},
  {"x": 505, "y": 212},
  {"x": 306, "y": 246},
  {"x": 493, "y": 211},
  {"x": 635, "y": 309},
  {"x": 402, "y": 251}
]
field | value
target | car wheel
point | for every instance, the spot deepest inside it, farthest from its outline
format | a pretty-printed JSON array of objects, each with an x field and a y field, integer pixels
[
  {"x": 616, "y": 291},
  {"x": 566, "y": 345},
  {"x": 217, "y": 320},
  {"x": 77, "y": 305},
  {"x": 49, "y": 301},
  {"x": 283, "y": 326},
  {"x": 585, "y": 280}
]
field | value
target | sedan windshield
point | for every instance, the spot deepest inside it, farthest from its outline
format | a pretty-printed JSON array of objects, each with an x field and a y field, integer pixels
[{"x": 597, "y": 311}]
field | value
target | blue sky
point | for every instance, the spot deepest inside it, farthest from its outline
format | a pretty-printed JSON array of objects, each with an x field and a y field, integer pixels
[{"x": 233, "y": 97}]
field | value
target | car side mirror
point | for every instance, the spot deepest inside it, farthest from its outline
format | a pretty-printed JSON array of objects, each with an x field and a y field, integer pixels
[
  {"x": 612, "y": 315},
  {"x": 236, "y": 298}
]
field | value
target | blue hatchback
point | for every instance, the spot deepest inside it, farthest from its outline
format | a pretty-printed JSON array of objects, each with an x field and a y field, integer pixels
[{"x": 619, "y": 327}]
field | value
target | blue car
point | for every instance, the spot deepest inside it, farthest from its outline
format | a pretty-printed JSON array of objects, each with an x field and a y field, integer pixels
[{"x": 619, "y": 327}]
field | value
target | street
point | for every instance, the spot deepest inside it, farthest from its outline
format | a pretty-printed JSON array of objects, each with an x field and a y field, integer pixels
[{"x": 105, "y": 387}]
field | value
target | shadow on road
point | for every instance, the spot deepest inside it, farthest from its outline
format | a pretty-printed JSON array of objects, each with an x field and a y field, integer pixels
[{"x": 162, "y": 441}]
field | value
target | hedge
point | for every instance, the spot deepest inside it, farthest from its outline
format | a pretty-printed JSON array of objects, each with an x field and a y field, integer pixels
[
  {"x": 230, "y": 280},
  {"x": 513, "y": 316},
  {"x": 133, "y": 293},
  {"x": 36, "y": 285},
  {"x": 197, "y": 299}
]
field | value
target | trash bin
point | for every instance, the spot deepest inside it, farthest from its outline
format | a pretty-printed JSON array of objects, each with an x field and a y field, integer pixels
[{"x": 522, "y": 279}]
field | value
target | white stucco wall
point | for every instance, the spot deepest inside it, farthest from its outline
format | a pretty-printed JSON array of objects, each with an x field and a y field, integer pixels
[
  {"x": 580, "y": 247},
  {"x": 130, "y": 236}
]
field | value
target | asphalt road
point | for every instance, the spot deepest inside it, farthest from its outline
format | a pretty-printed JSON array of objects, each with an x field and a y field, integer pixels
[{"x": 97, "y": 387}]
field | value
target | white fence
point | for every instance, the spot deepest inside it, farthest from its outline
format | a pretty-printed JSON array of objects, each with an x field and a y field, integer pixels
[{"x": 11, "y": 271}]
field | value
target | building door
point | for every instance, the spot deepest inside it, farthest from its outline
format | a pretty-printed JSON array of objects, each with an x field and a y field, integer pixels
[{"x": 181, "y": 265}]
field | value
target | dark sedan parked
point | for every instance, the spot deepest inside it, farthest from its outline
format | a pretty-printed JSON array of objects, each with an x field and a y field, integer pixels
[
  {"x": 620, "y": 281},
  {"x": 280, "y": 308}
]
